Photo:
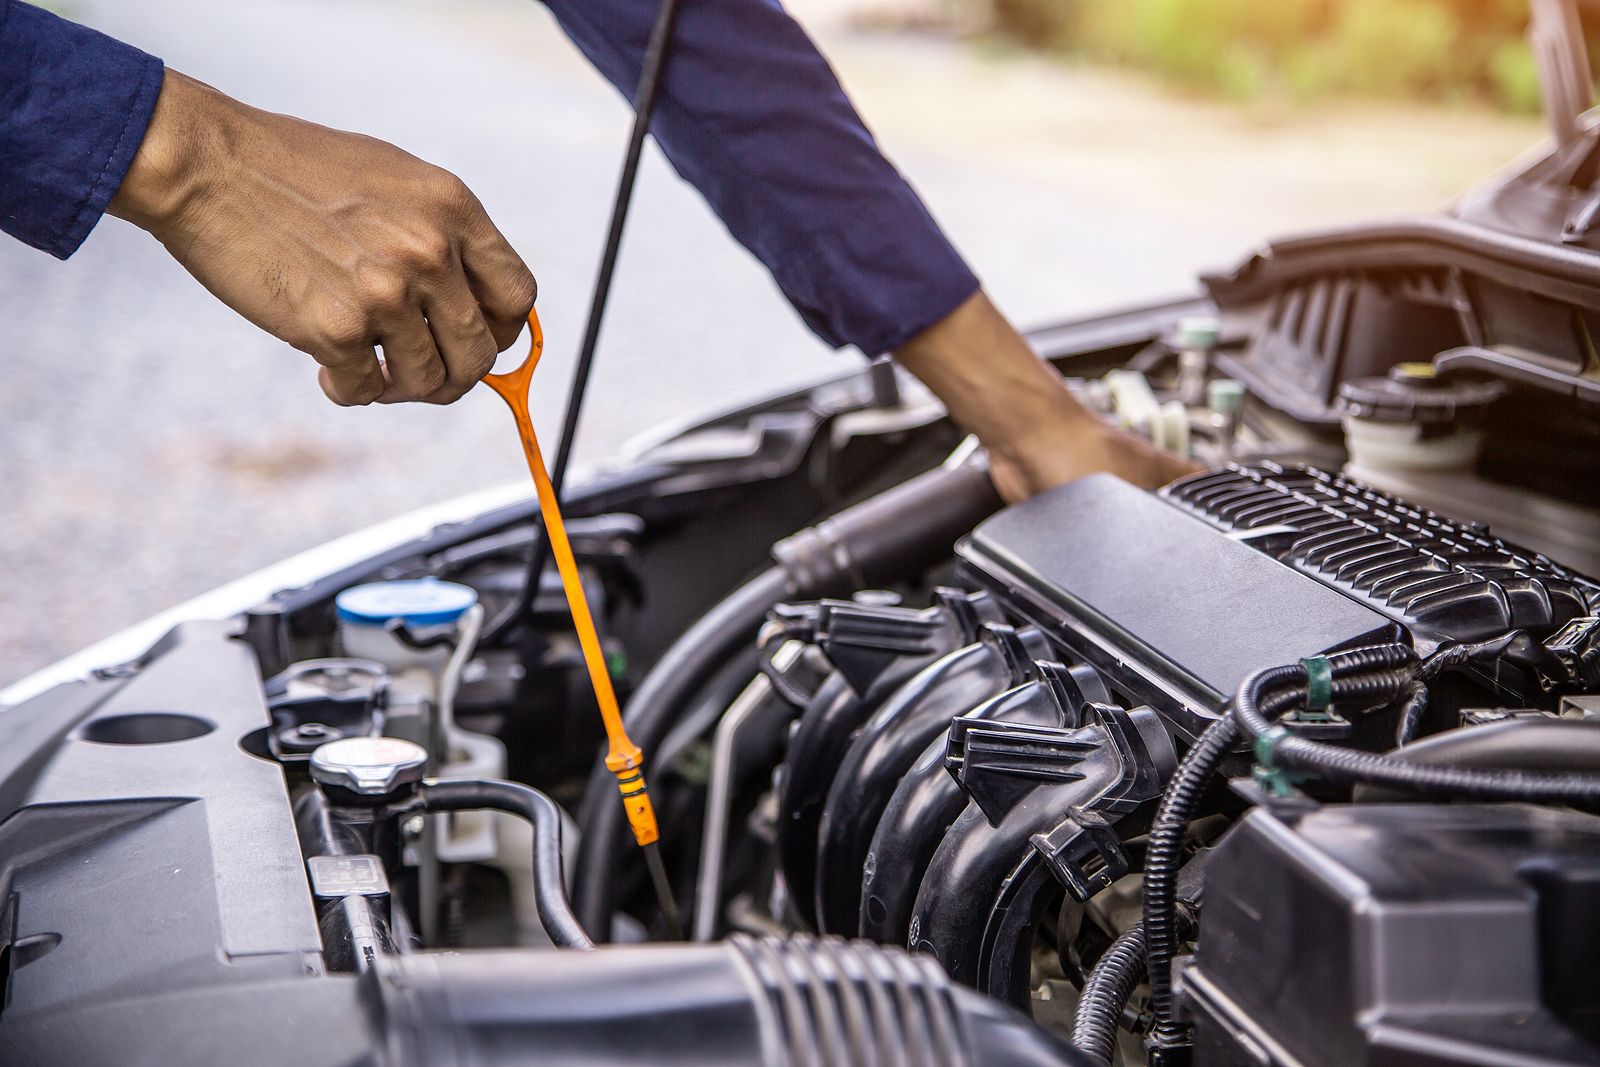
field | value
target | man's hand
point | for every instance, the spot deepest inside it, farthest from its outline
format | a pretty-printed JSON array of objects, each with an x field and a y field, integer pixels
[
  {"x": 1037, "y": 434},
  {"x": 337, "y": 243}
]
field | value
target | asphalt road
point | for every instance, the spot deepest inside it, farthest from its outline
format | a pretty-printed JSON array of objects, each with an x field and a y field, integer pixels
[{"x": 153, "y": 445}]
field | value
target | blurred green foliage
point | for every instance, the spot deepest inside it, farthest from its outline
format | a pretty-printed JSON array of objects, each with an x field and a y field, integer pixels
[{"x": 1300, "y": 49}]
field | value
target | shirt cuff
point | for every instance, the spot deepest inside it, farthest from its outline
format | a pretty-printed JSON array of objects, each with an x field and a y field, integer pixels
[{"x": 74, "y": 106}]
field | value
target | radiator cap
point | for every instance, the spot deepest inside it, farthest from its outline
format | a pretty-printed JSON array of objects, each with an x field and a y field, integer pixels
[{"x": 369, "y": 766}]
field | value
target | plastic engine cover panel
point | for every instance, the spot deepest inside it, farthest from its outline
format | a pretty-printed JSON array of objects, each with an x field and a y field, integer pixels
[
  {"x": 1167, "y": 604},
  {"x": 1444, "y": 580}
]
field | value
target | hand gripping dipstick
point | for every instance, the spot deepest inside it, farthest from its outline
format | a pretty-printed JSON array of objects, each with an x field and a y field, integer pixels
[{"x": 623, "y": 758}]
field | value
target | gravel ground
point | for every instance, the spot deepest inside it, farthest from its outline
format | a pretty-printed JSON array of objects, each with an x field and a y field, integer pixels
[{"x": 153, "y": 445}]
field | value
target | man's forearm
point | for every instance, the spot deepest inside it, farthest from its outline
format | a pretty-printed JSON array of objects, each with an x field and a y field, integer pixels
[
  {"x": 751, "y": 115},
  {"x": 1037, "y": 433}
]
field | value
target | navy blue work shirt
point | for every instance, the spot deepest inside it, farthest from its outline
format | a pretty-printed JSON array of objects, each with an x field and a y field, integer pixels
[{"x": 749, "y": 113}]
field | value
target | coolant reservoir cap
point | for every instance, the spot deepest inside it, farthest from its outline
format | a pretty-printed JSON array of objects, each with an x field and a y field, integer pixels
[
  {"x": 1415, "y": 393},
  {"x": 370, "y": 766},
  {"x": 415, "y": 602}
]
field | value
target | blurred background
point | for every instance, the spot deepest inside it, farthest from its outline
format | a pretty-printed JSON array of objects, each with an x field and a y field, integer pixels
[{"x": 1084, "y": 154}]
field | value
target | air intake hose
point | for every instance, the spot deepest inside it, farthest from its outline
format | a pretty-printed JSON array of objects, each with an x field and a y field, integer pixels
[
  {"x": 894, "y": 535},
  {"x": 771, "y": 1002}
]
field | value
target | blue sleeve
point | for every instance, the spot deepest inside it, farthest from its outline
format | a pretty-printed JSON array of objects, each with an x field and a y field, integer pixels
[
  {"x": 751, "y": 115},
  {"x": 74, "y": 105}
]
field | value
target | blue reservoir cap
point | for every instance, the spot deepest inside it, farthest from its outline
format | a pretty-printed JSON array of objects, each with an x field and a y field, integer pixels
[{"x": 415, "y": 602}]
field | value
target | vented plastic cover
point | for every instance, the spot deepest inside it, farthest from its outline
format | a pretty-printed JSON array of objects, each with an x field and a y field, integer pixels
[
  {"x": 1168, "y": 605},
  {"x": 1442, "y": 579}
]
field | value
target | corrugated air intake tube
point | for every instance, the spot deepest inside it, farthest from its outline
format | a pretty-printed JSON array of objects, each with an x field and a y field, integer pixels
[
  {"x": 772, "y": 1002},
  {"x": 895, "y": 535}
]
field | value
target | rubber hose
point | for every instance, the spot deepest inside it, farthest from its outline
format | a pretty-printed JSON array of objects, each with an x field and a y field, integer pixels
[
  {"x": 1351, "y": 767},
  {"x": 898, "y": 533},
  {"x": 1363, "y": 768},
  {"x": 649, "y": 716},
  {"x": 1106, "y": 992},
  {"x": 1529, "y": 744},
  {"x": 555, "y": 910},
  {"x": 1164, "y": 845},
  {"x": 1116, "y": 974}
]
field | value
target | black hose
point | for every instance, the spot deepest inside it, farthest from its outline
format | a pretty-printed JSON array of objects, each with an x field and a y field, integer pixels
[
  {"x": 650, "y": 714},
  {"x": 1537, "y": 743},
  {"x": 897, "y": 534},
  {"x": 1252, "y": 703},
  {"x": 1351, "y": 767},
  {"x": 1164, "y": 849},
  {"x": 555, "y": 910},
  {"x": 1106, "y": 993}
]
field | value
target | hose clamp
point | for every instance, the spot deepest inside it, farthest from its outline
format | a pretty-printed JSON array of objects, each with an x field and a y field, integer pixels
[
  {"x": 1276, "y": 780},
  {"x": 1319, "y": 682}
]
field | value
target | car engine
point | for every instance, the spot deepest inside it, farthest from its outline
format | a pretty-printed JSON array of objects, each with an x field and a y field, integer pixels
[{"x": 1292, "y": 761}]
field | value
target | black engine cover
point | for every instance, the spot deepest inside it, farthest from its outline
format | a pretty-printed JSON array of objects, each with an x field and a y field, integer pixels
[
  {"x": 1444, "y": 580},
  {"x": 1172, "y": 609}
]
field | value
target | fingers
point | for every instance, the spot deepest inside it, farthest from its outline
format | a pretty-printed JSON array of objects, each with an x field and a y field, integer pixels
[
  {"x": 350, "y": 375},
  {"x": 465, "y": 344},
  {"x": 446, "y": 295},
  {"x": 504, "y": 286},
  {"x": 436, "y": 346},
  {"x": 411, "y": 360}
]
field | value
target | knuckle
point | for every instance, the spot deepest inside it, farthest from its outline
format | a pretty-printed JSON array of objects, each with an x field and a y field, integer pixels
[
  {"x": 477, "y": 363},
  {"x": 385, "y": 292},
  {"x": 482, "y": 363},
  {"x": 430, "y": 250},
  {"x": 452, "y": 193},
  {"x": 524, "y": 291},
  {"x": 425, "y": 382},
  {"x": 342, "y": 329},
  {"x": 302, "y": 336},
  {"x": 461, "y": 319}
]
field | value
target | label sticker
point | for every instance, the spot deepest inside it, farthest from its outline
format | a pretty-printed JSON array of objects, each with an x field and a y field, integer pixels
[{"x": 347, "y": 876}]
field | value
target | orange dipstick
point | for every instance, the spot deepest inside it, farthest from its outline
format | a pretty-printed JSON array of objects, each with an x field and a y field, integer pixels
[{"x": 623, "y": 758}]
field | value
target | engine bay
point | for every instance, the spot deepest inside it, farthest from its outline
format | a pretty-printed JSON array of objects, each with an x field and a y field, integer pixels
[{"x": 1289, "y": 762}]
